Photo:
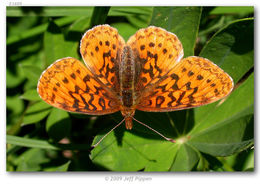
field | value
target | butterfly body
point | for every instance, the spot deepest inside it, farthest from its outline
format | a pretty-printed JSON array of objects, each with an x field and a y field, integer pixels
[
  {"x": 147, "y": 73},
  {"x": 127, "y": 74}
]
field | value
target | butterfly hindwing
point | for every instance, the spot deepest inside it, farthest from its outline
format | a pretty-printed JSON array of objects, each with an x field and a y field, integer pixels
[{"x": 193, "y": 82}]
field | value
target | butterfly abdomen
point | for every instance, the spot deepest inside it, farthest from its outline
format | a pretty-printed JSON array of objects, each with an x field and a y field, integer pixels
[{"x": 126, "y": 76}]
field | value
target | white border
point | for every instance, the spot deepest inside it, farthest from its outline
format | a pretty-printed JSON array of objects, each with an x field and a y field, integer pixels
[
  {"x": 134, "y": 3},
  {"x": 95, "y": 178}
]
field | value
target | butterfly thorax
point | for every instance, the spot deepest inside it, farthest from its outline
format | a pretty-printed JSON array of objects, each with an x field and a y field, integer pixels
[{"x": 127, "y": 84}]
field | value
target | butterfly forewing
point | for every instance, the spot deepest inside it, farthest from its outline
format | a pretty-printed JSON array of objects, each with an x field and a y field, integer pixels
[
  {"x": 68, "y": 84},
  {"x": 156, "y": 51},
  {"x": 101, "y": 49}
]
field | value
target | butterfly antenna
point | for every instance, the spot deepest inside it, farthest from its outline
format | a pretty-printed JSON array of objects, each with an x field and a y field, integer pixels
[
  {"x": 168, "y": 139},
  {"x": 108, "y": 133}
]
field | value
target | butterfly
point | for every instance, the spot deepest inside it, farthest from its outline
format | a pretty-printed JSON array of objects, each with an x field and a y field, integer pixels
[{"x": 146, "y": 73}]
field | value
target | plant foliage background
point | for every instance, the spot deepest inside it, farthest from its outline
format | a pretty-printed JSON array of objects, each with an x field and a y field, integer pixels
[{"x": 216, "y": 137}]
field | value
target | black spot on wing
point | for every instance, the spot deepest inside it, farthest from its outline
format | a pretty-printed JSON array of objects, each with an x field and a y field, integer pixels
[{"x": 159, "y": 101}]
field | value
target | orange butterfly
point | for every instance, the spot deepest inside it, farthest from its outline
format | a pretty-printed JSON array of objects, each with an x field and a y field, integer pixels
[{"x": 147, "y": 73}]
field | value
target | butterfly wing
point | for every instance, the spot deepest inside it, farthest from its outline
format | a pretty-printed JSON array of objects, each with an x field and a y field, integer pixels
[
  {"x": 156, "y": 52},
  {"x": 101, "y": 49},
  {"x": 193, "y": 82},
  {"x": 67, "y": 84}
]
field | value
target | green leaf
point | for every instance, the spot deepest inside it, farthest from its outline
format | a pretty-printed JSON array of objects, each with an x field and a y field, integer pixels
[
  {"x": 228, "y": 53},
  {"x": 208, "y": 162},
  {"x": 31, "y": 160},
  {"x": 126, "y": 11},
  {"x": 74, "y": 35},
  {"x": 232, "y": 48},
  {"x": 31, "y": 72},
  {"x": 53, "y": 44},
  {"x": 162, "y": 159},
  {"x": 15, "y": 104},
  {"x": 58, "y": 124},
  {"x": 14, "y": 108},
  {"x": 131, "y": 153},
  {"x": 233, "y": 10},
  {"x": 228, "y": 127},
  {"x": 61, "y": 168},
  {"x": 39, "y": 29},
  {"x": 139, "y": 21},
  {"x": 22, "y": 25},
  {"x": 57, "y": 45},
  {"x": 14, "y": 79},
  {"x": 26, "y": 142},
  {"x": 99, "y": 15},
  {"x": 36, "y": 112},
  {"x": 186, "y": 159},
  {"x": 182, "y": 21},
  {"x": 249, "y": 163},
  {"x": 124, "y": 29},
  {"x": 43, "y": 144},
  {"x": 137, "y": 152},
  {"x": 31, "y": 95},
  {"x": 23, "y": 66},
  {"x": 80, "y": 25},
  {"x": 225, "y": 140},
  {"x": 233, "y": 107}
]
